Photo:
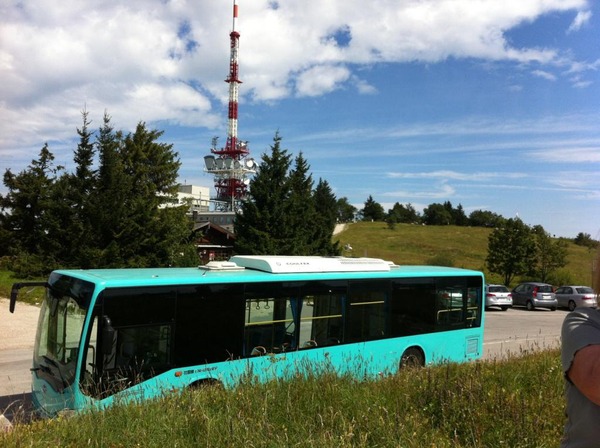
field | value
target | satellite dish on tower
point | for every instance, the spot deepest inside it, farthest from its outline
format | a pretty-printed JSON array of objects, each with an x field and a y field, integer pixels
[{"x": 209, "y": 161}]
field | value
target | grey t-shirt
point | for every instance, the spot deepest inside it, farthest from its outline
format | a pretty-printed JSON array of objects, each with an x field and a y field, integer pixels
[{"x": 582, "y": 429}]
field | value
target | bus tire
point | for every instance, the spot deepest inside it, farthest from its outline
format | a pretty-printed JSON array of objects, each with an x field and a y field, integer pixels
[{"x": 412, "y": 357}]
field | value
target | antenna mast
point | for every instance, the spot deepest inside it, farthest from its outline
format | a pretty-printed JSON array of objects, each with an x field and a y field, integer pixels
[{"x": 230, "y": 167}]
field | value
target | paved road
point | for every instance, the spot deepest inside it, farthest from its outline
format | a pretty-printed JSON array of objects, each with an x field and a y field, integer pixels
[
  {"x": 507, "y": 333},
  {"x": 518, "y": 331}
]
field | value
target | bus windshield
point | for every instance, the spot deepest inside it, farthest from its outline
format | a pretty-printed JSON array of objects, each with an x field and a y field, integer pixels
[{"x": 59, "y": 330}]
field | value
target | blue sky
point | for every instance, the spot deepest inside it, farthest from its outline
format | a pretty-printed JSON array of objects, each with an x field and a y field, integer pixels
[{"x": 492, "y": 105}]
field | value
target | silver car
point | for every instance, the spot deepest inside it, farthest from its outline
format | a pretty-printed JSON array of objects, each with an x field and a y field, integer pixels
[
  {"x": 498, "y": 295},
  {"x": 576, "y": 296},
  {"x": 535, "y": 295}
]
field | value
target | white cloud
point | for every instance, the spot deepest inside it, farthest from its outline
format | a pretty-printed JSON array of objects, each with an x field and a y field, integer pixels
[
  {"x": 444, "y": 191},
  {"x": 166, "y": 61},
  {"x": 568, "y": 155},
  {"x": 581, "y": 19},
  {"x": 544, "y": 74},
  {"x": 454, "y": 175},
  {"x": 321, "y": 79}
]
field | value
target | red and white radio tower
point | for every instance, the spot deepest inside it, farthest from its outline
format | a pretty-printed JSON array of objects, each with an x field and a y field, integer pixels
[{"x": 230, "y": 165}]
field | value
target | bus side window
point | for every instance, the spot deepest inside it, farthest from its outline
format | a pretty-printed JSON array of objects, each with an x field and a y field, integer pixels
[
  {"x": 366, "y": 312},
  {"x": 412, "y": 307},
  {"x": 269, "y": 326},
  {"x": 321, "y": 320}
]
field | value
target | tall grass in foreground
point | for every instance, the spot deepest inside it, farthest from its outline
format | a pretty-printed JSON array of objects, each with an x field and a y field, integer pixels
[{"x": 512, "y": 403}]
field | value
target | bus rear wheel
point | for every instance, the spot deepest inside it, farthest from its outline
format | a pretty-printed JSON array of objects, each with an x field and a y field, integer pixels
[{"x": 412, "y": 357}]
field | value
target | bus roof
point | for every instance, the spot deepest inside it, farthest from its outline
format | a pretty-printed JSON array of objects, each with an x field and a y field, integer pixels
[
  {"x": 280, "y": 264},
  {"x": 261, "y": 268}
]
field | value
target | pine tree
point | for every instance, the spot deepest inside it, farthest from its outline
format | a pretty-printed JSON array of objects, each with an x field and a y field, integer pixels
[
  {"x": 152, "y": 233},
  {"x": 74, "y": 208},
  {"x": 325, "y": 220},
  {"x": 260, "y": 225},
  {"x": 372, "y": 211},
  {"x": 300, "y": 213},
  {"x": 27, "y": 210},
  {"x": 110, "y": 207}
]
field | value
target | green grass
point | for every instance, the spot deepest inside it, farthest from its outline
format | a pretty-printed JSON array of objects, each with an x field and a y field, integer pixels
[
  {"x": 465, "y": 247},
  {"x": 514, "y": 403}
]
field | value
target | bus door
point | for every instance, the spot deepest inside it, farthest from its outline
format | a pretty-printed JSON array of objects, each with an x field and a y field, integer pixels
[{"x": 135, "y": 337}]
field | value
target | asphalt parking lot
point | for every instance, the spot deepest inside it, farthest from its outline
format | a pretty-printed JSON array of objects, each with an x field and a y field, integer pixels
[{"x": 517, "y": 331}]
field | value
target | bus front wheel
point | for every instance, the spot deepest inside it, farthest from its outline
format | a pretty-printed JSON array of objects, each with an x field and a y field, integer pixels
[{"x": 412, "y": 357}]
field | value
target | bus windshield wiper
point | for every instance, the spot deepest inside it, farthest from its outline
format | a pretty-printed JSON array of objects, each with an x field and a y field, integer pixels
[
  {"x": 50, "y": 361},
  {"x": 41, "y": 367},
  {"x": 54, "y": 364}
]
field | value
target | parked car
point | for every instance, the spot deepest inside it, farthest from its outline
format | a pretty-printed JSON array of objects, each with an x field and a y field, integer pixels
[
  {"x": 535, "y": 295},
  {"x": 498, "y": 295},
  {"x": 573, "y": 296}
]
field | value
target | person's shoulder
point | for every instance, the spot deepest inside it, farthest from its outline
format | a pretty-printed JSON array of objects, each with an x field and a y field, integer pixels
[
  {"x": 583, "y": 313},
  {"x": 580, "y": 318}
]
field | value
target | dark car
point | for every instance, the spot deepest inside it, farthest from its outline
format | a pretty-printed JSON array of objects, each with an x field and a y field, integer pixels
[{"x": 534, "y": 295}]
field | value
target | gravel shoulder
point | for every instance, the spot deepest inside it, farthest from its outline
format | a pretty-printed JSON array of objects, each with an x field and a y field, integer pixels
[{"x": 17, "y": 330}]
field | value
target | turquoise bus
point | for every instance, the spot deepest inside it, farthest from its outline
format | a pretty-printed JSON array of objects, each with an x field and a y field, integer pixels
[{"x": 117, "y": 335}]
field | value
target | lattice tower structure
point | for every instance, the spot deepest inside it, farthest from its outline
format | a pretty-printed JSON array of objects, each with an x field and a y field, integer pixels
[{"x": 230, "y": 165}]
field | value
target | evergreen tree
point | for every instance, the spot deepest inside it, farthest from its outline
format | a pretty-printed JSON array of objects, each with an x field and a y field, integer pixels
[
  {"x": 459, "y": 218},
  {"x": 73, "y": 199},
  {"x": 283, "y": 215},
  {"x": 300, "y": 210},
  {"x": 114, "y": 216},
  {"x": 110, "y": 207},
  {"x": 510, "y": 250},
  {"x": 260, "y": 225},
  {"x": 152, "y": 233},
  {"x": 325, "y": 220},
  {"x": 372, "y": 211},
  {"x": 27, "y": 211}
]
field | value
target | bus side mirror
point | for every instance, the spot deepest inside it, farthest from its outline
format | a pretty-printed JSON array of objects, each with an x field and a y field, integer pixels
[
  {"x": 14, "y": 292},
  {"x": 108, "y": 336}
]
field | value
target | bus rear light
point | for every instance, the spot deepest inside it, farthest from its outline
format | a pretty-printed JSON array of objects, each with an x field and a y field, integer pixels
[{"x": 178, "y": 373}]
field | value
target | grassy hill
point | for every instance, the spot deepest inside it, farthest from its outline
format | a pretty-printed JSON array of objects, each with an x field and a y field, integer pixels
[{"x": 464, "y": 247}]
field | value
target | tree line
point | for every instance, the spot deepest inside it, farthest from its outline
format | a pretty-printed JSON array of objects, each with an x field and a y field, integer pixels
[
  {"x": 514, "y": 248},
  {"x": 115, "y": 209}
]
